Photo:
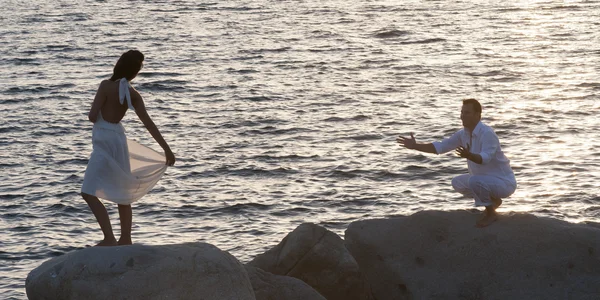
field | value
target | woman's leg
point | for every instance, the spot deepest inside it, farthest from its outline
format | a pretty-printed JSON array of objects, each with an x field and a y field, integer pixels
[
  {"x": 102, "y": 217},
  {"x": 125, "y": 216}
]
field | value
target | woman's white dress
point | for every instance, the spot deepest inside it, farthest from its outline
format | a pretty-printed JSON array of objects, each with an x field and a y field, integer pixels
[{"x": 119, "y": 169}]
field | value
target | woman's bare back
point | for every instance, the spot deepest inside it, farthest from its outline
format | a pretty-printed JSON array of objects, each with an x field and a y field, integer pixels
[{"x": 112, "y": 110}]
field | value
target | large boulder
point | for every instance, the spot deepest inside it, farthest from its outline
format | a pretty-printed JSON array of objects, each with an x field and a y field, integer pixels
[
  {"x": 269, "y": 286},
  {"x": 184, "y": 271},
  {"x": 442, "y": 255},
  {"x": 318, "y": 257}
]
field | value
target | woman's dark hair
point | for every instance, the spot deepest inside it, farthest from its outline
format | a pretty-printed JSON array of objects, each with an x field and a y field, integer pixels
[{"x": 128, "y": 65}]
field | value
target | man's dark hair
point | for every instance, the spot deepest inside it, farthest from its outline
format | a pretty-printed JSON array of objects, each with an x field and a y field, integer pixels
[
  {"x": 474, "y": 102},
  {"x": 128, "y": 65}
]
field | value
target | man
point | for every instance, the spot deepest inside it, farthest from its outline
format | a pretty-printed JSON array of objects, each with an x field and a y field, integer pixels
[{"x": 490, "y": 177}]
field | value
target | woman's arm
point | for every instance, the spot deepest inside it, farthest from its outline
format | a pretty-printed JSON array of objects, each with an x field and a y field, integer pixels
[
  {"x": 98, "y": 102},
  {"x": 140, "y": 110}
]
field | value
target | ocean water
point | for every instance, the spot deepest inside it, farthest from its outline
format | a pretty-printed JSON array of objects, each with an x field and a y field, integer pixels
[{"x": 285, "y": 112}]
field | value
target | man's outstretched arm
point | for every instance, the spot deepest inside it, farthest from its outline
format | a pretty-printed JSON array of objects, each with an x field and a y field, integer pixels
[{"x": 411, "y": 143}]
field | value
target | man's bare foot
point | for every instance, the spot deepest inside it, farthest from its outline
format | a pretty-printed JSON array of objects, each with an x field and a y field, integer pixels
[
  {"x": 496, "y": 202},
  {"x": 483, "y": 215},
  {"x": 488, "y": 219},
  {"x": 107, "y": 242},
  {"x": 124, "y": 241}
]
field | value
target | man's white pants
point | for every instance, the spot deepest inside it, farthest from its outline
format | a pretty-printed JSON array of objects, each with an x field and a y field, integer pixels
[{"x": 482, "y": 188}]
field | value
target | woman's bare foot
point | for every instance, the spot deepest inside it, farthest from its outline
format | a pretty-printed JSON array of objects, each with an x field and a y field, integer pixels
[
  {"x": 124, "y": 241},
  {"x": 107, "y": 242}
]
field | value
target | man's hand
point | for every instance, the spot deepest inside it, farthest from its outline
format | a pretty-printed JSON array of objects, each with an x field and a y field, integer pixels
[
  {"x": 464, "y": 152},
  {"x": 409, "y": 143}
]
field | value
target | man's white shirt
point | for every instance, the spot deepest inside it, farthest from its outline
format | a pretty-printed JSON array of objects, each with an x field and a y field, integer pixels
[{"x": 484, "y": 142}]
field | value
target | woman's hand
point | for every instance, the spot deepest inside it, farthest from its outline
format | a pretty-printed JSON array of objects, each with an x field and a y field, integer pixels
[{"x": 170, "y": 157}]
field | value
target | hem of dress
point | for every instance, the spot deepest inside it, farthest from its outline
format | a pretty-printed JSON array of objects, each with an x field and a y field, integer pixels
[{"x": 120, "y": 202}]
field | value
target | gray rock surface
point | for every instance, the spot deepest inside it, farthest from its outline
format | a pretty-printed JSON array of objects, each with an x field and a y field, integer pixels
[
  {"x": 318, "y": 257},
  {"x": 269, "y": 286},
  {"x": 442, "y": 255},
  {"x": 183, "y": 271}
]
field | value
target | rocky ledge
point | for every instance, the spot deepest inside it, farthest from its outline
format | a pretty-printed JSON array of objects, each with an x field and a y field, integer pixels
[{"x": 428, "y": 255}]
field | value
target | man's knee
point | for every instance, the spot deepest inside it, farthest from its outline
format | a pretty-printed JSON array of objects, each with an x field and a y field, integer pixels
[
  {"x": 479, "y": 186},
  {"x": 475, "y": 184},
  {"x": 459, "y": 184}
]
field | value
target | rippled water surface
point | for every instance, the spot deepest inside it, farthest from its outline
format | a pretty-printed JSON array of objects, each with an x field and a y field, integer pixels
[{"x": 284, "y": 112}]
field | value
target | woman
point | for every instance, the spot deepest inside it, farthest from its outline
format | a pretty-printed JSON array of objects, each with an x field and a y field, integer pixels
[{"x": 120, "y": 170}]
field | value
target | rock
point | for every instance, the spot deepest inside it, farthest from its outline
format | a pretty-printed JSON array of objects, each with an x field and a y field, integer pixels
[
  {"x": 442, "y": 255},
  {"x": 268, "y": 286},
  {"x": 318, "y": 257},
  {"x": 184, "y": 271}
]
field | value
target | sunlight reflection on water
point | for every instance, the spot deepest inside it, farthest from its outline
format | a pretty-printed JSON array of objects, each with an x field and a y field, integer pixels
[{"x": 281, "y": 114}]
